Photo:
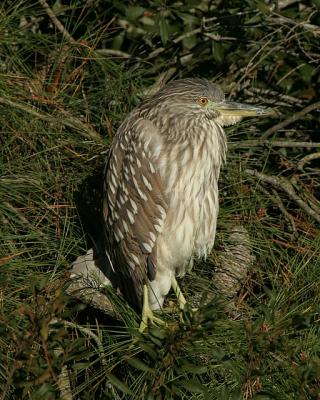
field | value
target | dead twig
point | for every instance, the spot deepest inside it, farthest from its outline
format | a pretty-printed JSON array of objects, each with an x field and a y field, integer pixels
[
  {"x": 112, "y": 52},
  {"x": 251, "y": 66},
  {"x": 63, "y": 379},
  {"x": 287, "y": 245},
  {"x": 284, "y": 185},
  {"x": 272, "y": 143},
  {"x": 56, "y": 22},
  {"x": 290, "y": 120},
  {"x": 274, "y": 94},
  {"x": 281, "y": 20},
  {"x": 87, "y": 332},
  {"x": 307, "y": 159},
  {"x": 219, "y": 38},
  {"x": 286, "y": 214},
  {"x": 277, "y": 200}
]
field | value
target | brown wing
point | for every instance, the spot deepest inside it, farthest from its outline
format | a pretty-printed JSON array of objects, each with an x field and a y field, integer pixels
[{"x": 134, "y": 206}]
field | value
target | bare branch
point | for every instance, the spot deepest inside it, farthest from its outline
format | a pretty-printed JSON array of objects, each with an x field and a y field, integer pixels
[
  {"x": 277, "y": 200},
  {"x": 290, "y": 120},
  {"x": 111, "y": 52},
  {"x": 274, "y": 94},
  {"x": 56, "y": 22},
  {"x": 272, "y": 143},
  {"x": 307, "y": 159},
  {"x": 281, "y": 20},
  {"x": 284, "y": 185}
]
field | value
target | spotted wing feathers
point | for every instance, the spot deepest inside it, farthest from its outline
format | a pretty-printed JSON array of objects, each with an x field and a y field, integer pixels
[{"x": 134, "y": 206}]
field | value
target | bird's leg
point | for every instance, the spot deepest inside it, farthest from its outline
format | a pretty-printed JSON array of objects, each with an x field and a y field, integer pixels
[
  {"x": 147, "y": 313},
  {"x": 176, "y": 288},
  {"x": 181, "y": 299}
]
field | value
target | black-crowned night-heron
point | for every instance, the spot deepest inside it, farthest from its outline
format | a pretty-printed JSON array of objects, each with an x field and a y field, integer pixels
[{"x": 161, "y": 187}]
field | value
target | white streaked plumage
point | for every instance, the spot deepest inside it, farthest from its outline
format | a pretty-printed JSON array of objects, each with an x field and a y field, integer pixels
[{"x": 162, "y": 178}]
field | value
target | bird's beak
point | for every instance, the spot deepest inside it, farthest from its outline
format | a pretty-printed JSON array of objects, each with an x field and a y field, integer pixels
[{"x": 232, "y": 109}]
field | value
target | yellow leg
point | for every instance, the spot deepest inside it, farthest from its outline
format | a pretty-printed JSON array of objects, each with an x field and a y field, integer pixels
[
  {"x": 147, "y": 314},
  {"x": 181, "y": 299}
]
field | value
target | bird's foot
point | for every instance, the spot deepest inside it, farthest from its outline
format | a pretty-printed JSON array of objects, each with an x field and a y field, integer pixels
[
  {"x": 147, "y": 313},
  {"x": 149, "y": 316}
]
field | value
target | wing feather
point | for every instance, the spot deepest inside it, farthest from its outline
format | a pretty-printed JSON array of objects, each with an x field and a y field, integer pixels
[{"x": 134, "y": 206}]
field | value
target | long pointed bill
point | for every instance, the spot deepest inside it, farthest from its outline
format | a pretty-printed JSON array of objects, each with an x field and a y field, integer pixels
[{"x": 229, "y": 108}]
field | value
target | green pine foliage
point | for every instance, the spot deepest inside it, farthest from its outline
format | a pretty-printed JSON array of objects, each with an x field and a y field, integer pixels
[{"x": 64, "y": 89}]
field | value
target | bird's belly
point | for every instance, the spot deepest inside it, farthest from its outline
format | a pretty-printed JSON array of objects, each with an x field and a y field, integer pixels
[
  {"x": 191, "y": 177},
  {"x": 190, "y": 226}
]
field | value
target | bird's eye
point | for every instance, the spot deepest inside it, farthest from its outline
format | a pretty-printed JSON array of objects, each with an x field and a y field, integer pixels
[{"x": 203, "y": 101}]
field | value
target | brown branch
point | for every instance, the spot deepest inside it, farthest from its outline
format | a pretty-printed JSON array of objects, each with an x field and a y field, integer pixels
[
  {"x": 290, "y": 120},
  {"x": 112, "y": 52},
  {"x": 307, "y": 159},
  {"x": 272, "y": 143},
  {"x": 292, "y": 246},
  {"x": 281, "y": 20},
  {"x": 56, "y": 22},
  {"x": 274, "y": 94},
  {"x": 63, "y": 379},
  {"x": 284, "y": 185},
  {"x": 277, "y": 200},
  {"x": 286, "y": 213}
]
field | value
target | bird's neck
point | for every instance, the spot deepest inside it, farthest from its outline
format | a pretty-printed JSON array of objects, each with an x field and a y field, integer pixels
[{"x": 194, "y": 134}]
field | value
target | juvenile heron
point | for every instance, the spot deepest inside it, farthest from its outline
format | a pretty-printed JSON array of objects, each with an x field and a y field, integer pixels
[{"x": 161, "y": 188}]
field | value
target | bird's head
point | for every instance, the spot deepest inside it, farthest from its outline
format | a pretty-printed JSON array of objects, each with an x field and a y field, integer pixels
[{"x": 193, "y": 97}]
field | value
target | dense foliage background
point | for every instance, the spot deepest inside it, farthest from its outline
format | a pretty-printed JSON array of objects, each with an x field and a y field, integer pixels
[{"x": 69, "y": 73}]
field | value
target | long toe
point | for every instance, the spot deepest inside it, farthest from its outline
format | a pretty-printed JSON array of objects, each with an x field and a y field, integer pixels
[{"x": 147, "y": 313}]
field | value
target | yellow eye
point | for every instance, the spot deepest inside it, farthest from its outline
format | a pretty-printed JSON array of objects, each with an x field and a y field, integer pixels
[{"x": 203, "y": 101}]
